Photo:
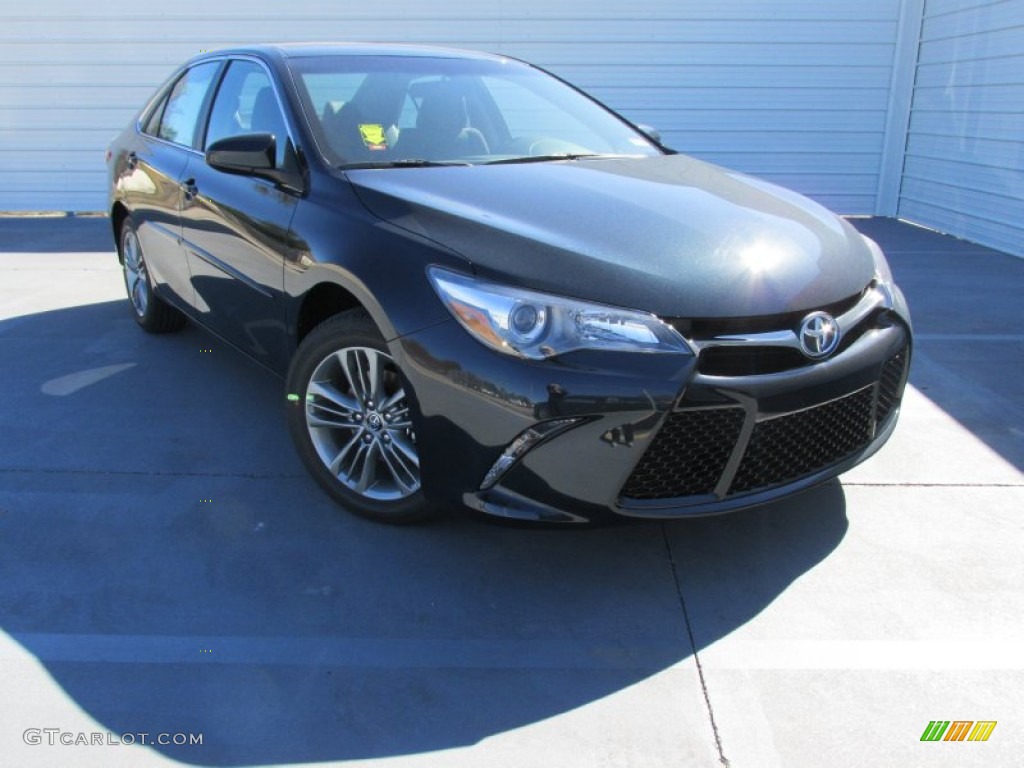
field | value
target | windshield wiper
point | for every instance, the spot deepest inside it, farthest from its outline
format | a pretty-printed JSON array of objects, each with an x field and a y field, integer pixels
[
  {"x": 406, "y": 162},
  {"x": 546, "y": 158}
]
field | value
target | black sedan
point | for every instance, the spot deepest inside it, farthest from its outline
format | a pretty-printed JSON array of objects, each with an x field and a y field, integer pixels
[{"x": 485, "y": 288}]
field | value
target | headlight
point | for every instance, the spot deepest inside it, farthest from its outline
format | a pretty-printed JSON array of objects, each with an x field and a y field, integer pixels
[{"x": 538, "y": 325}]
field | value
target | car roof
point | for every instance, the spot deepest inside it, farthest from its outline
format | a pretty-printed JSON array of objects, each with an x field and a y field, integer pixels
[{"x": 301, "y": 50}]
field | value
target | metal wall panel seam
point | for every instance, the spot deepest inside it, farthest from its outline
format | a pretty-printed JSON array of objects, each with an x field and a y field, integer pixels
[{"x": 901, "y": 93}]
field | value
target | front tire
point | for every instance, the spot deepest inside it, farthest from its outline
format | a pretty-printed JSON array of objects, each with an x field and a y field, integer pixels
[
  {"x": 350, "y": 417},
  {"x": 150, "y": 311}
]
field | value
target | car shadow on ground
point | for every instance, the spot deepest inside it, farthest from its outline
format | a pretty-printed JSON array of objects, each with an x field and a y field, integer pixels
[{"x": 166, "y": 559}]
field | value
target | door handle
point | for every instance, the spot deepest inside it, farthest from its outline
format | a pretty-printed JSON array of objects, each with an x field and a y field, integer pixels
[{"x": 190, "y": 189}]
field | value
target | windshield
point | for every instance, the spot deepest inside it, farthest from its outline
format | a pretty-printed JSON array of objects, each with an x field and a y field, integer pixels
[{"x": 393, "y": 111}]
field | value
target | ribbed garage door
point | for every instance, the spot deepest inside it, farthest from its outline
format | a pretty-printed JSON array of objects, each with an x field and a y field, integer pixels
[
  {"x": 792, "y": 90},
  {"x": 964, "y": 166}
]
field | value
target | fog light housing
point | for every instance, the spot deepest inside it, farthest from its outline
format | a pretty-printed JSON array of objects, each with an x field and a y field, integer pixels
[{"x": 525, "y": 441}]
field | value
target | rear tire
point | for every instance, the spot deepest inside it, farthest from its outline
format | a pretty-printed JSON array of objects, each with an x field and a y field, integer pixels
[
  {"x": 151, "y": 312},
  {"x": 351, "y": 420}
]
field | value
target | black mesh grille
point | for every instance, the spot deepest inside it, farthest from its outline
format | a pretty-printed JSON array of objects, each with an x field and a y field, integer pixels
[
  {"x": 687, "y": 456},
  {"x": 889, "y": 385},
  {"x": 789, "y": 447}
]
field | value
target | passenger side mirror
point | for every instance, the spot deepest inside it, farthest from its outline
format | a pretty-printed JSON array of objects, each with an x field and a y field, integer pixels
[{"x": 650, "y": 132}]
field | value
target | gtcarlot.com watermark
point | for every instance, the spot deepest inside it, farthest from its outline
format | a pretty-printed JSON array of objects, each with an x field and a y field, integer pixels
[{"x": 57, "y": 737}]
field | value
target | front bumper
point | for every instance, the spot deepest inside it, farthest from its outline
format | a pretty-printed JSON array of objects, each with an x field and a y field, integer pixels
[{"x": 656, "y": 437}]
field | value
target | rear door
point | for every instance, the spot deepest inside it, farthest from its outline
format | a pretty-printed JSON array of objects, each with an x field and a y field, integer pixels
[
  {"x": 151, "y": 183},
  {"x": 235, "y": 227}
]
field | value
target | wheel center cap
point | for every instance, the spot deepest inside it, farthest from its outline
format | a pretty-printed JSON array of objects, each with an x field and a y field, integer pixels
[{"x": 373, "y": 421}]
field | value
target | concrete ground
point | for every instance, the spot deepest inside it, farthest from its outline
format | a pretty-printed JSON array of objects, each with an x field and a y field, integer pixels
[{"x": 166, "y": 567}]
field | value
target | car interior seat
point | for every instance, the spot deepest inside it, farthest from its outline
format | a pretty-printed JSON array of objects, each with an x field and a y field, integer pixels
[{"x": 442, "y": 129}]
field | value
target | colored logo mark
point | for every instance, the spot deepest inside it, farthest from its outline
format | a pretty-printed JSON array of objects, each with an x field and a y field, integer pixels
[{"x": 958, "y": 730}]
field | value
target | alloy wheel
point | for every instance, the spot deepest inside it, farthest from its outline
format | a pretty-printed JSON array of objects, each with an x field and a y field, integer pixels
[
  {"x": 358, "y": 420},
  {"x": 135, "y": 278}
]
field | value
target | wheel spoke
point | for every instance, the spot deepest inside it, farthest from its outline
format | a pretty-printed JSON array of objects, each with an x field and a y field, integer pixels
[
  {"x": 329, "y": 392},
  {"x": 352, "y": 368},
  {"x": 393, "y": 400},
  {"x": 363, "y": 390},
  {"x": 331, "y": 421},
  {"x": 403, "y": 475},
  {"x": 139, "y": 297},
  {"x": 368, "y": 475},
  {"x": 398, "y": 418},
  {"x": 335, "y": 464},
  {"x": 341, "y": 412},
  {"x": 374, "y": 377},
  {"x": 131, "y": 258},
  {"x": 404, "y": 446}
]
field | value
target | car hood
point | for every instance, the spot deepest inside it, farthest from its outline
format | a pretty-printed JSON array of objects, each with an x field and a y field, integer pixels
[{"x": 670, "y": 235}]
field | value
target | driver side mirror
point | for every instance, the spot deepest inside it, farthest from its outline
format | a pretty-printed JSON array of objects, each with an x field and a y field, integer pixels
[{"x": 252, "y": 154}]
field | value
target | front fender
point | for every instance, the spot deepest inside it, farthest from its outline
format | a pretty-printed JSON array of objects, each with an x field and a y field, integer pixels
[{"x": 380, "y": 265}]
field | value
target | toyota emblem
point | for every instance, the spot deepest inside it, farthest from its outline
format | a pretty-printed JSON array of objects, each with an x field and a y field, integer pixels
[{"x": 819, "y": 335}]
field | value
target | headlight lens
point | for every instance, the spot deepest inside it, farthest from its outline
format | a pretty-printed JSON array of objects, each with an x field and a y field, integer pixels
[{"x": 538, "y": 325}]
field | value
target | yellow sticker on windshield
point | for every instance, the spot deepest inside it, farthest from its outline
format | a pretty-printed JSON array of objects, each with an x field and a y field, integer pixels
[{"x": 373, "y": 136}]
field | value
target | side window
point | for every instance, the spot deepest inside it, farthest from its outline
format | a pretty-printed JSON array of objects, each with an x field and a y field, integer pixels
[
  {"x": 245, "y": 103},
  {"x": 181, "y": 114},
  {"x": 151, "y": 122}
]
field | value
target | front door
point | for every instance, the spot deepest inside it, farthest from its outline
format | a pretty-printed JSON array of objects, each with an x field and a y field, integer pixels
[{"x": 235, "y": 227}]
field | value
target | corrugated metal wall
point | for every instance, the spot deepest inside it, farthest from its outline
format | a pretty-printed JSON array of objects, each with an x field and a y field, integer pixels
[
  {"x": 964, "y": 166},
  {"x": 792, "y": 90}
]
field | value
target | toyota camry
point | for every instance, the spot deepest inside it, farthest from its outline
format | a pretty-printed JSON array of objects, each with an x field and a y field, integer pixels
[{"x": 484, "y": 288}]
